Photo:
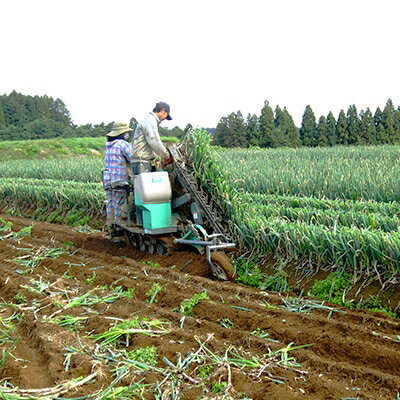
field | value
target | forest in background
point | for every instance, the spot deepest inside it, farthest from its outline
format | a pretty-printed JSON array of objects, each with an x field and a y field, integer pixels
[
  {"x": 24, "y": 117},
  {"x": 276, "y": 128},
  {"x": 41, "y": 117}
]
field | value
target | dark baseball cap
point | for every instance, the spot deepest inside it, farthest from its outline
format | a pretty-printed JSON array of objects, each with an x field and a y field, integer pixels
[{"x": 161, "y": 105}]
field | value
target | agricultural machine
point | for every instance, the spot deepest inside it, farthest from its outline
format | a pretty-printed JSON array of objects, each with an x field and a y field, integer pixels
[{"x": 170, "y": 209}]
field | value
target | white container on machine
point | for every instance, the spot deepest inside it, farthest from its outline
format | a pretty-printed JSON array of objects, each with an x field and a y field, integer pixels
[{"x": 153, "y": 187}]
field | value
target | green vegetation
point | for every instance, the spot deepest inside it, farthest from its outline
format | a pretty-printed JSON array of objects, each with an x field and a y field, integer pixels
[
  {"x": 146, "y": 355},
  {"x": 152, "y": 293},
  {"x": 334, "y": 207},
  {"x": 335, "y": 288},
  {"x": 74, "y": 324},
  {"x": 314, "y": 236},
  {"x": 249, "y": 273},
  {"x": 7, "y": 341},
  {"x": 339, "y": 173},
  {"x": 91, "y": 280},
  {"x": 5, "y": 225},
  {"x": 58, "y": 148},
  {"x": 71, "y": 204},
  {"x": 123, "y": 330},
  {"x": 226, "y": 323},
  {"x": 218, "y": 387},
  {"x": 41, "y": 117},
  {"x": 152, "y": 264},
  {"x": 51, "y": 148},
  {"x": 276, "y": 128},
  {"x": 35, "y": 256},
  {"x": 187, "y": 305},
  {"x": 205, "y": 371},
  {"x": 91, "y": 298}
]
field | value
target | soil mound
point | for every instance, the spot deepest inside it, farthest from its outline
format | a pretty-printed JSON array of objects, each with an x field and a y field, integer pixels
[{"x": 212, "y": 339}]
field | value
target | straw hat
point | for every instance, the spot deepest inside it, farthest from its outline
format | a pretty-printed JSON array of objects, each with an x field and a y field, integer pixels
[{"x": 119, "y": 128}]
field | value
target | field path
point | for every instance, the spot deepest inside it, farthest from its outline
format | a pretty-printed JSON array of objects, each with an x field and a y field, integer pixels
[{"x": 346, "y": 354}]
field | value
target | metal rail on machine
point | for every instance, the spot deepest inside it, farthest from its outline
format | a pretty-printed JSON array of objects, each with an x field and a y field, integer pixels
[{"x": 185, "y": 174}]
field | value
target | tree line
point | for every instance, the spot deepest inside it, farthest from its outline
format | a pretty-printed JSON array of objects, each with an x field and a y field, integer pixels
[
  {"x": 276, "y": 128},
  {"x": 41, "y": 117},
  {"x": 25, "y": 117}
]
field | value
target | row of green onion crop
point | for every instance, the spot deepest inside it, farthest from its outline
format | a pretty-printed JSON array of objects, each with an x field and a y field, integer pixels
[
  {"x": 351, "y": 247},
  {"x": 67, "y": 169},
  {"x": 340, "y": 173},
  {"x": 354, "y": 233},
  {"x": 20, "y": 195},
  {"x": 328, "y": 218},
  {"x": 358, "y": 249},
  {"x": 53, "y": 183},
  {"x": 391, "y": 209},
  {"x": 350, "y": 173}
]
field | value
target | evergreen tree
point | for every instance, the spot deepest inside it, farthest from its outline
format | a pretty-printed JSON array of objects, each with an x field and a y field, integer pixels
[
  {"x": 279, "y": 120},
  {"x": 238, "y": 130},
  {"x": 367, "y": 128},
  {"x": 13, "y": 109},
  {"x": 397, "y": 126},
  {"x": 321, "y": 132},
  {"x": 353, "y": 125},
  {"x": 291, "y": 132},
  {"x": 341, "y": 129},
  {"x": 2, "y": 118},
  {"x": 285, "y": 132},
  {"x": 266, "y": 125},
  {"x": 253, "y": 130},
  {"x": 308, "y": 126},
  {"x": 174, "y": 132},
  {"x": 47, "y": 128},
  {"x": 331, "y": 129},
  {"x": 221, "y": 132},
  {"x": 377, "y": 117},
  {"x": 84, "y": 130},
  {"x": 59, "y": 112},
  {"x": 277, "y": 138},
  {"x": 231, "y": 131},
  {"x": 381, "y": 137},
  {"x": 388, "y": 122}
]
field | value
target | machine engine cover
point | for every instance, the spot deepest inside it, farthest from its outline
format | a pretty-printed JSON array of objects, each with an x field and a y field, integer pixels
[{"x": 153, "y": 187}]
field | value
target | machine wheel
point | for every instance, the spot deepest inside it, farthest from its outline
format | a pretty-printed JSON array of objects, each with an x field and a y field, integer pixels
[
  {"x": 141, "y": 244},
  {"x": 160, "y": 249},
  {"x": 222, "y": 267}
]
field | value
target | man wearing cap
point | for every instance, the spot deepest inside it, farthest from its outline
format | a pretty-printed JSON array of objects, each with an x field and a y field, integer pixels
[
  {"x": 116, "y": 174},
  {"x": 147, "y": 145}
]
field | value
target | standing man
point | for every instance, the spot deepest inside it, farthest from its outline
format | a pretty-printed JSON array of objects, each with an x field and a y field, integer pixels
[
  {"x": 147, "y": 145},
  {"x": 116, "y": 174}
]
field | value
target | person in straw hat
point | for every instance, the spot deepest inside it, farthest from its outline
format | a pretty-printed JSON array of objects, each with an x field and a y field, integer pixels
[
  {"x": 147, "y": 145},
  {"x": 116, "y": 174}
]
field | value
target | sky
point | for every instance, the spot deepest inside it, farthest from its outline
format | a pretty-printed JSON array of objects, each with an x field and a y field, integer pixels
[{"x": 111, "y": 60}]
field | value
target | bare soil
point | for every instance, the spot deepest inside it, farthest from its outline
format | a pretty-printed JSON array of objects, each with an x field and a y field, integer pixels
[{"x": 351, "y": 354}]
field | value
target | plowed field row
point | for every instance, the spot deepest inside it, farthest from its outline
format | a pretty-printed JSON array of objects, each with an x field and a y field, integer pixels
[{"x": 341, "y": 354}]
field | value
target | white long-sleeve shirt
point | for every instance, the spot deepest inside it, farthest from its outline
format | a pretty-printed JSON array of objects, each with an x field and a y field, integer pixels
[{"x": 147, "y": 144}]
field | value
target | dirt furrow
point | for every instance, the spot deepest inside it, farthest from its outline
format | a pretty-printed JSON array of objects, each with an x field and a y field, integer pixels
[{"x": 346, "y": 354}]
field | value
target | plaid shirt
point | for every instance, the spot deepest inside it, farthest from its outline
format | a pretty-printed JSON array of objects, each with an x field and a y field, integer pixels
[{"x": 118, "y": 156}]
